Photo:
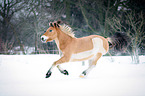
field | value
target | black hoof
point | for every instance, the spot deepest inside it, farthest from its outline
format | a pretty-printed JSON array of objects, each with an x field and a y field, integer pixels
[
  {"x": 48, "y": 74},
  {"x": 84, "y": 73},
  {"x": 65, "y": 72}
]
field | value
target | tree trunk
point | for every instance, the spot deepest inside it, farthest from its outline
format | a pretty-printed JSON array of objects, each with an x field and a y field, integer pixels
[
  {"x": 135, "y": 56},
  {"x": 18, "y": 40},
  {"x": 68, "y": 13}
]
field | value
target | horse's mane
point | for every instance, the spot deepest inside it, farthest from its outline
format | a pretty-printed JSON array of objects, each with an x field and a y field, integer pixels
[
  {"x": 67, "y": 30},
  {"x": 64, "y": 28}
]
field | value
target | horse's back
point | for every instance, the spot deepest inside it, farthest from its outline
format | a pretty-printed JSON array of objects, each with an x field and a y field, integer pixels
[
  {"x": 92, "y": 42},
  {"x": 99, "y": 42}
]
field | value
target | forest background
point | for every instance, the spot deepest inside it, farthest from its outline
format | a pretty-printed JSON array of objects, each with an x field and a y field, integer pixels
[{"x": 22, "y": 22}]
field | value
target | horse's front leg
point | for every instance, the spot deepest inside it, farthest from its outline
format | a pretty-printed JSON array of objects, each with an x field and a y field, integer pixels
[
  {"x": 60, "y": 61},
  {"x": 48, "y": 74},
  {"x": 65, "y": 72}
]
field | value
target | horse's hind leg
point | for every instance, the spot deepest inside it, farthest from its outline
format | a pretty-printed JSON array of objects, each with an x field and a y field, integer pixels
[{"x": 92, "y": 65}]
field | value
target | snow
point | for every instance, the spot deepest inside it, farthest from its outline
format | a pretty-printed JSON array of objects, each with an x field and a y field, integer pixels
[{"x": 24, "y": 75}]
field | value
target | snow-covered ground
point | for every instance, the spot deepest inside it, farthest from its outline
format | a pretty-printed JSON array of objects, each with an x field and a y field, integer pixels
[{"x": 24, "y": 75}]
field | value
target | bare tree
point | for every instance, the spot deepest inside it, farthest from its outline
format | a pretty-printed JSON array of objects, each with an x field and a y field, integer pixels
[
  {"x": 7, "y": 10},
  {"x": 133, "y": 25},
  {"x": 7, "y": 47}
]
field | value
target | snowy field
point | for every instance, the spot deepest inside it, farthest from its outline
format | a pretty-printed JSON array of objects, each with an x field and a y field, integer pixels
[{"x": 24, "y": 75}]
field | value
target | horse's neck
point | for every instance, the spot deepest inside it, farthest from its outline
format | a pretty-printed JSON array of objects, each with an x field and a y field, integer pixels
[{"x": 62, "y": 40}]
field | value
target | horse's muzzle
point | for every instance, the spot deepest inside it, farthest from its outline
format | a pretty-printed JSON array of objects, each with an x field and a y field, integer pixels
[{"x": 44, "y": 38}]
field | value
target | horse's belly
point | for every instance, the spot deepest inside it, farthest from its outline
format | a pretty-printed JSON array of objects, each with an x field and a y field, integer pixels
[
  {"x": 97, "y": 48},
  {"x": 82, "y": 56}
]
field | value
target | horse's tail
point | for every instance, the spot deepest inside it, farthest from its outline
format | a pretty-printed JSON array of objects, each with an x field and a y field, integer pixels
[{"x": 119, "y": 41}]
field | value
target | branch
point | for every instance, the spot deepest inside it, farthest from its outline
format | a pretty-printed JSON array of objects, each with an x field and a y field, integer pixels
[
  {"x": 17, "y": 38},
  {"x": 82, "y": 10}
]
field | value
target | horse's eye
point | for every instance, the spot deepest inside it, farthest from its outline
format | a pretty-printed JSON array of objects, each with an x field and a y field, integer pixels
[{"x": 50, "y": 30}]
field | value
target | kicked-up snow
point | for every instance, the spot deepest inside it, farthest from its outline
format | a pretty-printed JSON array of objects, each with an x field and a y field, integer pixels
[{"x": 24, "y": 75}]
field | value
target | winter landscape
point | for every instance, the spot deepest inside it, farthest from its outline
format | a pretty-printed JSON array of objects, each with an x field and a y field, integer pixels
[
  {"x": 22, "y": 24},
  {"x": 24, "y": 75}
]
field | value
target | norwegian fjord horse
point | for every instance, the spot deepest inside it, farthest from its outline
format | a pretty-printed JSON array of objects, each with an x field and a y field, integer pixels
[{"x": 75, "y": 49}]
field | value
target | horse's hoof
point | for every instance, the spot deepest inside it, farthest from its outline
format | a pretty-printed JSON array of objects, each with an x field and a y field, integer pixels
[
  {"x": 65, "y": 72},
  {"x": 83, "y": 74},
  {"x": 48, "y": 75}
]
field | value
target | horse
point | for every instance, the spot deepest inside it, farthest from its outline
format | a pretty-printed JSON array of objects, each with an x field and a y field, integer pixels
[{"x": 79, "y": 49}]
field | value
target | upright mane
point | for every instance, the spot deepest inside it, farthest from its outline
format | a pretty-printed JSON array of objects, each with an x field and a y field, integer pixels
[{"x": 67, "y": 30}]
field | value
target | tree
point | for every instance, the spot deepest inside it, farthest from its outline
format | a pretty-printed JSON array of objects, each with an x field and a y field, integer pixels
[
  {"x": 95, "y": 13},
  {"x": 133, "y": 24},
  {"x": 7, "y": 10}
]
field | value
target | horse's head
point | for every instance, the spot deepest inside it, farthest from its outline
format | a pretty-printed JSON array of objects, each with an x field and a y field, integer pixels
[{"x": 51, "y": 33}]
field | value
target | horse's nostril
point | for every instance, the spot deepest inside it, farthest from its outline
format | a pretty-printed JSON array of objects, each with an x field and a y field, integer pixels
[{"x": 42, "y": 38}]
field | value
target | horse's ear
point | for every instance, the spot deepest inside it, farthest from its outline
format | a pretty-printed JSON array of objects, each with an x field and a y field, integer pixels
[
  {"x": 55, "y": 24},
  {"x": 50, "y": 24}
]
